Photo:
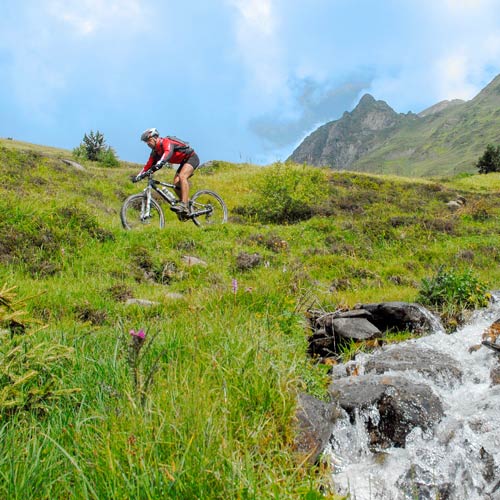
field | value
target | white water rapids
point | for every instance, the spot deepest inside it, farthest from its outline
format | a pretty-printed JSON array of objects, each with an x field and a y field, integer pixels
[{"x": 459, "y": 459}]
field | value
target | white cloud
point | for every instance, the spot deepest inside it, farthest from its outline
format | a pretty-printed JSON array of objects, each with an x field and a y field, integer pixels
[
  {"x": 259, "y": 45},
  {"x": 463, "y": 70},
  {"x": 256, "y": 14},
  {"x": 452, "y": 73},
  {"x": 467, "y": 6},
  {"x": 86, "y": 17},
  {"x": 40, "y": 67}
]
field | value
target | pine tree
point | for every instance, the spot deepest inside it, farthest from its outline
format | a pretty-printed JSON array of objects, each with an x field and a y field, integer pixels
[
  {"x": 490, "y": 160},
  {"x": 94, "y": 144},
  {"x": 94, "y": 148}
]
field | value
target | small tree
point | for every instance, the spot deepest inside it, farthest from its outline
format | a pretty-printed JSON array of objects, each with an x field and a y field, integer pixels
[
  {"x": 94, "y": 148},
  {"x": 490, "y": 160}
]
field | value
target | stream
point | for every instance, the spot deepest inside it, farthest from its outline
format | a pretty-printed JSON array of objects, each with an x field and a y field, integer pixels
[{"x": 459, "y": 459}]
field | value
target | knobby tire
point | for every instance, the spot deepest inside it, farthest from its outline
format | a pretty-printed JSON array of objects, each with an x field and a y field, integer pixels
[
  {"x": 132, "y": 209},
  {"x": 212, "y": 204}
]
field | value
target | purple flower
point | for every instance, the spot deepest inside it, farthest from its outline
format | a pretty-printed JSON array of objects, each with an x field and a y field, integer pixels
[
  {"x": 235, "y": 285},
  {"x": 140, "y": 334}
]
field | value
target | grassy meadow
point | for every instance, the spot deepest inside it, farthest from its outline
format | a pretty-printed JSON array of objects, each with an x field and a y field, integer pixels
[{"x": 203, "y": 406}]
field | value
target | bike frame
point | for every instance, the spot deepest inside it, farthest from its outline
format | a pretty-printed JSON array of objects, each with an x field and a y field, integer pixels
[{"x": 168, "y": 197}]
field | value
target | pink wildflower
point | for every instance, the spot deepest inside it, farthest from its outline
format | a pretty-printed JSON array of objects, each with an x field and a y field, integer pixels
[{"x": 140, "y": 334}]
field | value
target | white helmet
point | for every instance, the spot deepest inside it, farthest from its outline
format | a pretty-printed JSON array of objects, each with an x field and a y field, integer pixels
[{"x": 150, "y": 132}]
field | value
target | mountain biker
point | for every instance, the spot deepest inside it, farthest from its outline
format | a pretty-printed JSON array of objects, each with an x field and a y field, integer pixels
[{"x": 172, "y": 150}]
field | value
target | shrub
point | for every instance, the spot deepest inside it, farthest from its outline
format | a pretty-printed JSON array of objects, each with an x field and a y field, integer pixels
[
  {"x": 490, "y": 160},
  {"x": 108, "y": 158},
  {"x": 94, "y": 148},
  {"x": 31, "y": 372},
  {"x": 453, "y": 290},
  {"x": 288, "y": 194}
]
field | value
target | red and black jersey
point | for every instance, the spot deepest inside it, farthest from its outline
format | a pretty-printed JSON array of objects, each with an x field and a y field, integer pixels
[{"x": 168, "y": 149}]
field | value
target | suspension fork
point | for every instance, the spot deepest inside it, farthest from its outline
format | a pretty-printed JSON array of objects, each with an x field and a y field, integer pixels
[{"x": 146, "y": 204}]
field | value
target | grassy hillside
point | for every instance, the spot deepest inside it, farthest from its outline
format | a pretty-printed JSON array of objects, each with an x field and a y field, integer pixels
[
  {"x": 446, "y": 142},
  {"x": 204, "y": 407},
  {"x": 443, "y": 140}
]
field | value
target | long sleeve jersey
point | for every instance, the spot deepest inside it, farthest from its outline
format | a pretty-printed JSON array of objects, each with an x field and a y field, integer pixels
[{"x": 170, "y": 150}]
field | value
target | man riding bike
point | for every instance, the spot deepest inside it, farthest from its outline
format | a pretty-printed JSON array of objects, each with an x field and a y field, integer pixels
[{"x": 172, "y": 150}]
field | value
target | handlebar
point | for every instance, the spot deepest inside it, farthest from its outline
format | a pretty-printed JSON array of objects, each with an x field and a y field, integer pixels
[{"x": 149, "y": 172}]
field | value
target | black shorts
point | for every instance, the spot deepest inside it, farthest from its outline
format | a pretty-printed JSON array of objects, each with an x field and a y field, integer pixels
[{"x": 193, "y": 160}]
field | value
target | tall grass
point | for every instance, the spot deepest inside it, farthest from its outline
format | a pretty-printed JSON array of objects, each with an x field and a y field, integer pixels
[{"x": 216, "y": 418}]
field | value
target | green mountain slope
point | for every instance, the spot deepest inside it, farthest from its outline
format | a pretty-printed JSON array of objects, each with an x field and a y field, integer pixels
[
  {"x": 206, "y": 410},
  {"x": 445, "y": 139}
]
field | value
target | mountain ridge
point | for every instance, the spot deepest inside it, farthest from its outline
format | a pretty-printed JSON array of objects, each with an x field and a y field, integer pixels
[{"x": 446, "y": 138}]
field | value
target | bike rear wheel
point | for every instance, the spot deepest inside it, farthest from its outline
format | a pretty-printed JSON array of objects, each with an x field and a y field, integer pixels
[
  {"x": 133, "y": 214},
  {"x": 208, "y": 208}
]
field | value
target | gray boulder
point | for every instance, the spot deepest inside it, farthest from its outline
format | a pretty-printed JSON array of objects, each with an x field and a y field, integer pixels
[
  {"x": 355, "y": 328},
  {"x": 314, "y": 424},
  {"x": 436, "y": 366},
  {"x": 400, "y": 406},
  {"x": 401, "y": 316}
]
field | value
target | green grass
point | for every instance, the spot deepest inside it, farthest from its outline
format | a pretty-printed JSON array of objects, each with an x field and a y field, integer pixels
[{"x": 216, "y": 421}]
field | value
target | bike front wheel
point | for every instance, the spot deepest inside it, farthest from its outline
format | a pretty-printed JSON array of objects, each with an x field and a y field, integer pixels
[
  {"x": 134, "y": 213},
  {"x": 208, "y": 209}
]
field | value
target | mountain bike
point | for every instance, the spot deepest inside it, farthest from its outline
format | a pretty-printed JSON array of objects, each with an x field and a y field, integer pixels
[{"x": 142, "y": 210}]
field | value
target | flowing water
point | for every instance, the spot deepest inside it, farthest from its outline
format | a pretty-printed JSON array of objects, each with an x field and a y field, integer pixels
[{"x": 457, "y": 460}]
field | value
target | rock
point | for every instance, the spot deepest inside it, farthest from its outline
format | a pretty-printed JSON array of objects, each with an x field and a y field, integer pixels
[
  {"x": 402, "y": 316},
  {"x": 492, "y": 333},
  {"x": 366, "y": 322},
  {"x": 493, "y": 346},
  {"x": 73, "y": 164},
  {"x": 315, "y": 421},
  {"x": 355, "y": 328},
  {"x": 246, "y": 260},
  {"x": 141, "y": 302},
  {"x": 454, "y": 205},
  {"x": 392, "y": 406},
  {"x": 439, "y": 367},
  {"x": 495, "y": 375},
  {"x": 427, "y": 486},
  {"x": 193, "y": 261}
]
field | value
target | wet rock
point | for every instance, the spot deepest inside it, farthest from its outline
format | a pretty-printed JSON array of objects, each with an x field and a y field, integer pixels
[
  {"x": 355, "y": 328},
  {"x": 343, "y": 370},
  {"x": 331, "y": 330},
  {"x": 401, "y": 316},
  {"x": 494, "y": 346},
  {"x": 426, "y": 487},
  {"x": 315, "y": 420},
  {"x": 491, "y": 336},
  {"x": 495, "y": 374},
  {"x": 436, "y": 366},
  {"x": 366, "y": 322},
  {"x": 400, "y": 406}
]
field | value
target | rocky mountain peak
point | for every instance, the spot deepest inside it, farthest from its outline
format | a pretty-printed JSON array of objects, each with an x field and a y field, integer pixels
[
  {"x": 366, "y": 100},
  {"x": 371, "y": 114},
  {"x": 368, "y": 103},
  {"x": 375, "y": 138}
]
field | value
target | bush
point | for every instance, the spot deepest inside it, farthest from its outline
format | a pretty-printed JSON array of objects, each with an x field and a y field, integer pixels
[
  {"x": 490, "y": 160},
  {"x": 453, "y": 290},
  {"x": 108, "y": 158},
  {"x": 288, "y": 194},
  {"x": 93, "y": 147},
  {"x": 31, "y": 371}
]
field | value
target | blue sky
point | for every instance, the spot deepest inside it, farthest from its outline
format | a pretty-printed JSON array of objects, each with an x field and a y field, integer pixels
[{"x": 242, "y": 80}]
